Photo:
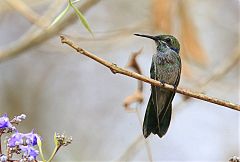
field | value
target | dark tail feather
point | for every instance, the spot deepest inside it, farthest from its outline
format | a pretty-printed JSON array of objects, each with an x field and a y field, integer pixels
[
  {"x": 150, "y": 123},
  {"x": 164, "y": 121}
]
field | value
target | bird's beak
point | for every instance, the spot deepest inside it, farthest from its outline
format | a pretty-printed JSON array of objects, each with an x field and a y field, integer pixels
[{"x": 147, "y": 36}]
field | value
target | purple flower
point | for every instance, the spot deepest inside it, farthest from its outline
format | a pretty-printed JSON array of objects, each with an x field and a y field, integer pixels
[
  {"x": 19, "y": 141},
  {"x": 29, "y": 152},
  {"x": 5, "y": 123},
  {"x": 25, "y": 143},
  {"x": 29, "y": 139},
  {"x": 15, "y": 140}
]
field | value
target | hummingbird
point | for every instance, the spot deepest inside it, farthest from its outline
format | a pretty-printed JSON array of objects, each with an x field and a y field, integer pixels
[{"x": 166, "y": 68}]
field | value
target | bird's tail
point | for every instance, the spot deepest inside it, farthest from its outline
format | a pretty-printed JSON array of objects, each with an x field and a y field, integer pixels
[
  {"x": 154, "y": 124},
  {"x": 150, "y": 123},
  {"x": 164, "y": 121}
]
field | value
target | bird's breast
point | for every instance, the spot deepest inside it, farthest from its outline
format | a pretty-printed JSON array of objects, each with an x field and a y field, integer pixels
[{"x": 167, "y": 69}]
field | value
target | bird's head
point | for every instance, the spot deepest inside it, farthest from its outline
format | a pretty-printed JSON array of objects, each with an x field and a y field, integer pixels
[{"x": 168, "y": 41}]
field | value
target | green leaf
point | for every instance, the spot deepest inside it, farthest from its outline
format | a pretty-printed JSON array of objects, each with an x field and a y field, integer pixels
[
  {"x": 60, "y": 15},
  {"x": 39, "y": 143},
  {"x": 81, "y": 17}
]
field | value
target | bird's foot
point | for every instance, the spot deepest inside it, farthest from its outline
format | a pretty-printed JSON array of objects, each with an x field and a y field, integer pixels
[
  {"x": 175, "y": 87},
  {"x": 162, "y": 82}
]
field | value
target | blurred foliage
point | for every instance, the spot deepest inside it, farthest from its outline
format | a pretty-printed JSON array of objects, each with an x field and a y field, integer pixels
[{"x": 169, "y": 14}]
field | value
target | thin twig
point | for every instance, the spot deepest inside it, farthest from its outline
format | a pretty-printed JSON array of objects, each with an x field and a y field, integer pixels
[
  {"x": 115, "y": 69},
  {"x": 137, "y": 95}
]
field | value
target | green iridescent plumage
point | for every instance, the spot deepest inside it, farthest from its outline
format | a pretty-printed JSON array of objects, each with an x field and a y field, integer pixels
[{"x": 166, "y": 67}]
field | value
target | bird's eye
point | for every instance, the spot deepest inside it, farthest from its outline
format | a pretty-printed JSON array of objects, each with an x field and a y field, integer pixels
[{"x": 168, "y": 41}]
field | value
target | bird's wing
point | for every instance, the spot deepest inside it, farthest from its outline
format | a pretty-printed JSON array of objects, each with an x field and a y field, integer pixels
[
  {"x": 150, "y": 123},
  {"x": 179, "y": 72},
  {"x": 153, "y": 88},
  {"x": 171, "y": 94},
  {"x": 164, "y": 117}
]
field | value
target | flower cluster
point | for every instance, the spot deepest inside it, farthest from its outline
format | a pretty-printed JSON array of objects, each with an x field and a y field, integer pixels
[
  {"x": 23, "y": 143},
  {"x": 18, "y": 143},
  {"x": 62, "y": 140},
  {"x": 5, "y": 123}
]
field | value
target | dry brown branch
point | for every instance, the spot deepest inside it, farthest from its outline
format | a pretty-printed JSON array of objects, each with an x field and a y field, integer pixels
[
  {"x": 137, "y": 95},
  {"x": 133, "y": 64},
  {"x": 115, "y": 69},
  {"x": 41, "y": 36}
]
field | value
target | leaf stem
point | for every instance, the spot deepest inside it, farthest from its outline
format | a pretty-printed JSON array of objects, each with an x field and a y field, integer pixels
[
  {"x": 54, "y": 153},
  {"x": 39, "y": 143}
]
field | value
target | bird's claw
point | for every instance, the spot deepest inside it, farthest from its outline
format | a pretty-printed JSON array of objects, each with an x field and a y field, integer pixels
[{"x": 162, "y": 82}]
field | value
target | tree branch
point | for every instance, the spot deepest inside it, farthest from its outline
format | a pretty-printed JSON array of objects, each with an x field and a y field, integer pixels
[{"x": 115, "y": 69}]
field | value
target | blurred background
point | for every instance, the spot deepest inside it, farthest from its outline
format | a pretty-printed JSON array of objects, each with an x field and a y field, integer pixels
[{"x": 60, "y": 91}]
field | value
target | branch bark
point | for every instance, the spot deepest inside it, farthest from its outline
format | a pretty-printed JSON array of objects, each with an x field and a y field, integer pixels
[{"x": 115, "y": 69}]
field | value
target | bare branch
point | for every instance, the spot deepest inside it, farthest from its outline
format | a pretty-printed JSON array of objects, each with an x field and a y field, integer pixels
[
  {"x": 137, "y": 95},
  {"x": 115, "y": 69}
]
